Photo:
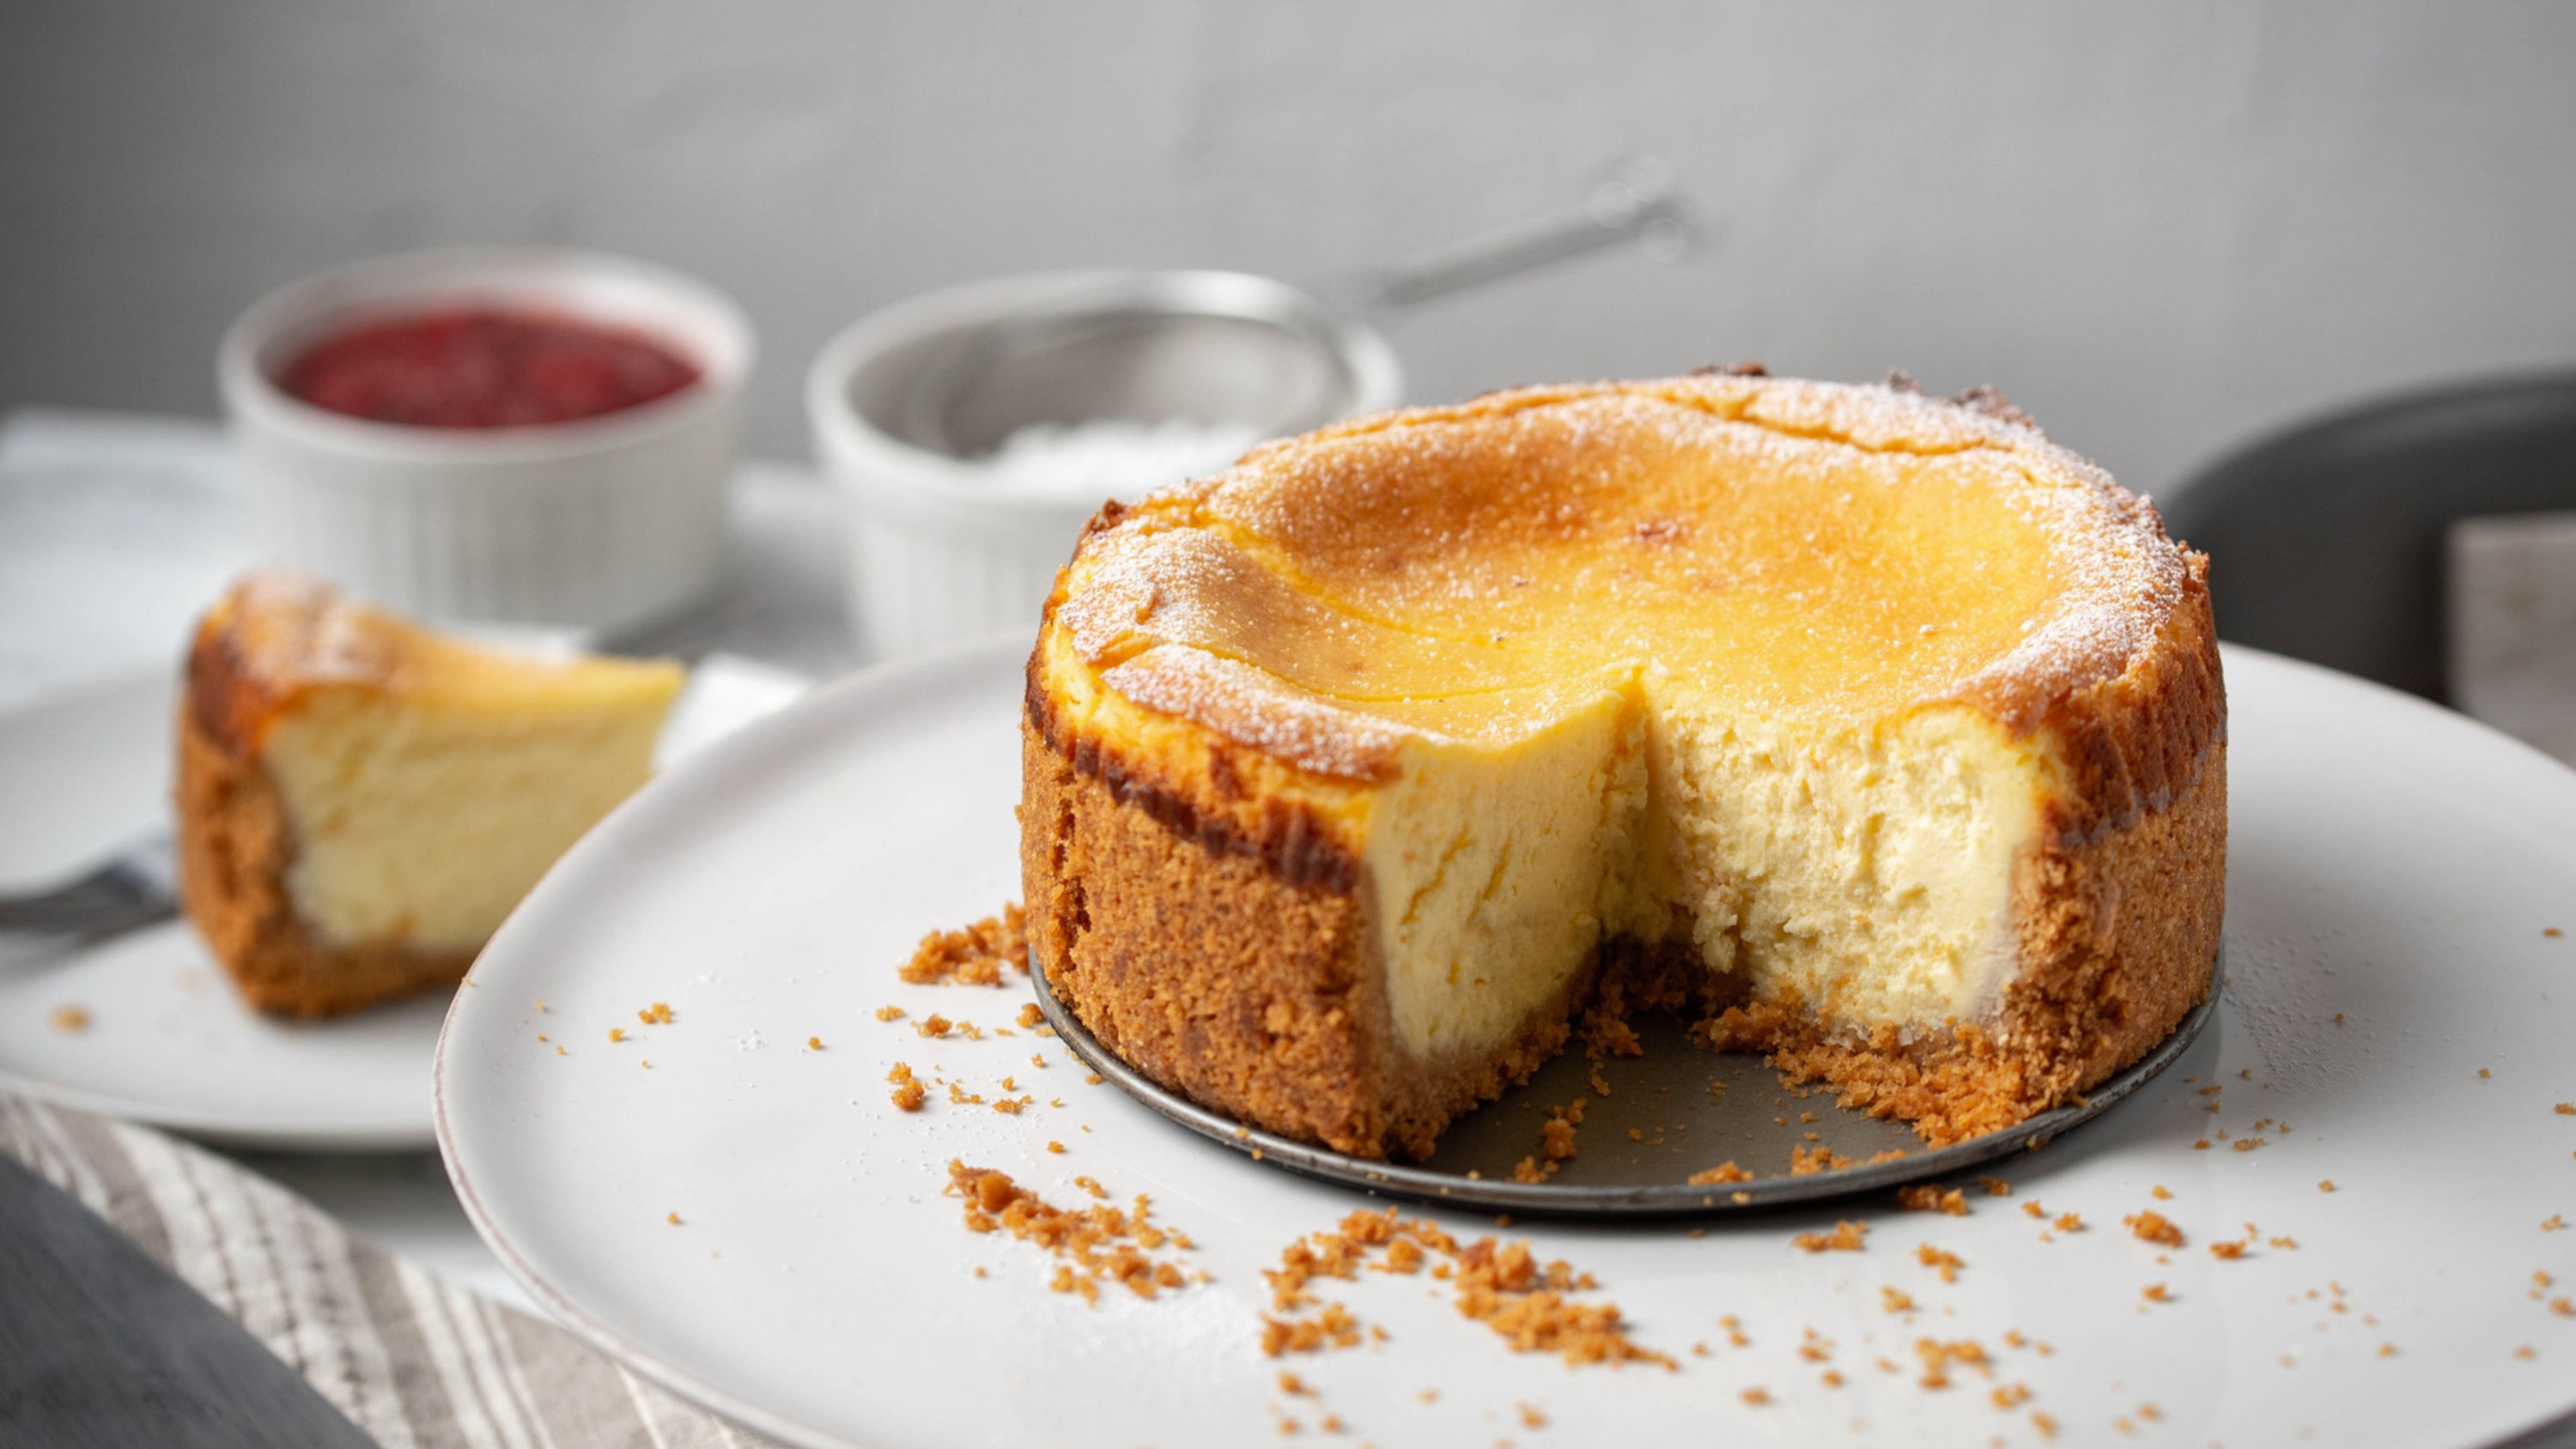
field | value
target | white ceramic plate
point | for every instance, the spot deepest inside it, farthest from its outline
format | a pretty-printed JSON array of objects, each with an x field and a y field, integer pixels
[
  {"x": 84, "y": 772},
  {"x": 2391, "y": 862}
]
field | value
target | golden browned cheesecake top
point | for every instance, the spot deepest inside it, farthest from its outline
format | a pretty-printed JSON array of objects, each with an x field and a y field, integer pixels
[
  {"x": 1811, "y": 550},
  {"x": 277, "y": 639}
]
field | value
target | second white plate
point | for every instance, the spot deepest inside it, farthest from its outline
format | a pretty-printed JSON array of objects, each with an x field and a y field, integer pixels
[{"x": 165, "y": 1040}]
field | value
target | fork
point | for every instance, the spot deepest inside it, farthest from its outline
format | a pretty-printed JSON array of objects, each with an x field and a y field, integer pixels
[
  {"x": 139, "y": 885},
  {"x": 136, "y": 887}
]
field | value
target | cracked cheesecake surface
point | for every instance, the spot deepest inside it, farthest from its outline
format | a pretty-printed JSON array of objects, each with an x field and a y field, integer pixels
[{"x": 1897, "y": 727}]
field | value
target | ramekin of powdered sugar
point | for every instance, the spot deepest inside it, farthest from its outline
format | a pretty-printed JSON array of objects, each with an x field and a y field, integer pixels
[{"x": 971, "y": 432}]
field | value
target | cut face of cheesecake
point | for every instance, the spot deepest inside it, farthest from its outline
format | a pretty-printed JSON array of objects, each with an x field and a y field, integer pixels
[
  {"x": 1893, "y": 730},
  {"x": 362, "y": 801}
]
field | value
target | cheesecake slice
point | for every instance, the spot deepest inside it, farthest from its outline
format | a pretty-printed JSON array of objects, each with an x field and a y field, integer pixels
[
  {"x": 361, "y": 801},
  {"x": 1875, "y": 731}
]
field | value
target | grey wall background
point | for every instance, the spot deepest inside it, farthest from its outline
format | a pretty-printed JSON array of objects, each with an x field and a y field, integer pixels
[{"x": 2159, "y": 227}]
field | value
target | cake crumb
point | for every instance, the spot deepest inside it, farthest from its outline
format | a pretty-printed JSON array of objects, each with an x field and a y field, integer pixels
[
  {"x": 1895, "y": 1300},
  {"x": 1947, "y": 1262},
  {"x": 2565, "y": 1109},
  {"x": 2554, "y": 1223},
  {"x": 1995, "y": 1186},
  {"x": 2160, "y": 1192},
  {"x": 1029, "y": 1014},
  {"x": 2033, "y": 1208},
  {"x": 1094, "y": 1246},
  {"x": 909, "y": 1093},
  {"x": 1925, "y": 1197},
  {"x": 1803, "y": 1162},
  {"x": 932, "y": 1025},
  {"x": 972, "y": 955},
  {"x": 1757, "y": 1396},
  {"x": 2154, "y": 1227},
  {"x": 1532, "y": 1416},
  {"x": 659, "y": 1013},
  {"x": 1724, "y": 1172},
  {"x": 73, "y": 1020},
  {"x": 1845, "y": 1238},
  {"x": 1501, "y": 1286},
  {"x": 813, "y": 1043},
  {"x": 2326, "y": 1185},
  {"x": 1055, "y": 1147},
  {"x": 2069, "y": 1223},
  {"x": 672, "y": 1218},
  {"x": 617, "y": 1033},
  {"x": 889, "y": 1013},
  {"x": 2155, "y": 1293}
]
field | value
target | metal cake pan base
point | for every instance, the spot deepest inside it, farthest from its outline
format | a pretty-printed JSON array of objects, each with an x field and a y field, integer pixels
[{"x": 1661, "y": 1122}]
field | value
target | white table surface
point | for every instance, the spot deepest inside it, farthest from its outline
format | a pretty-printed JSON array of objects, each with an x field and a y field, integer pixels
[{"x": 116, "y": 529}]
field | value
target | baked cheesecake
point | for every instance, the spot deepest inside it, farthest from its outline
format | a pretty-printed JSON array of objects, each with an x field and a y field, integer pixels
[
  {"x": 361, "y": 801},
  {"x": 1889, "y": 730}
]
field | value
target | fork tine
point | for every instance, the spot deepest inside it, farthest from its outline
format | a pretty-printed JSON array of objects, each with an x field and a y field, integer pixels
[
  {"x": 63, "y": 908},
  {"x": 132, "y": 890}
]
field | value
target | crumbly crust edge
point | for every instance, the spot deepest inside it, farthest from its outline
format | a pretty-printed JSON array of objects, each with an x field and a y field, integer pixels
[{"x": 236, "y": 846}]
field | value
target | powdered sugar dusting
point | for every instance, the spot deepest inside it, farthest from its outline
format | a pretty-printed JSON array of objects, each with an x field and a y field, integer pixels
[{"x": 1818, "y": 550}]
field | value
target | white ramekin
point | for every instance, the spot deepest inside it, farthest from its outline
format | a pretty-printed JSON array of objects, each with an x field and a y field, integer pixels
[
  {"x": 601, "y": 523},
  {"x": 936, "y": 551}
]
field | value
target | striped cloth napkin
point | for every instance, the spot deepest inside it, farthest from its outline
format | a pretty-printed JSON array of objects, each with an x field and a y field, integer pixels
[{"x": 410, "y": 1359}]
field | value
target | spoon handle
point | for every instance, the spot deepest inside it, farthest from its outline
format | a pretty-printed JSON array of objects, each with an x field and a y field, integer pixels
[{"x": 1637, "y": 202}]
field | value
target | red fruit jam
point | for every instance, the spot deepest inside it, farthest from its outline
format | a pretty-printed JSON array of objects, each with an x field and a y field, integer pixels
[{"x": 481, "y": 368}]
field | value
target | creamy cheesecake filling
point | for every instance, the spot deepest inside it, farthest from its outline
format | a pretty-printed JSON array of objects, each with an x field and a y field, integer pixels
[
  {"x": 1865, "y": 872},
  {"x": 1492, "y": 869},
  {"x": 425, "y": 826}
]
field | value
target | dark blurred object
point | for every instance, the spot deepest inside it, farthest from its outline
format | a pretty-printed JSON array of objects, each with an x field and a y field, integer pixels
[
  {"x": 2326, "y": 541},
  {"x": 101, "y": 1346}
]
